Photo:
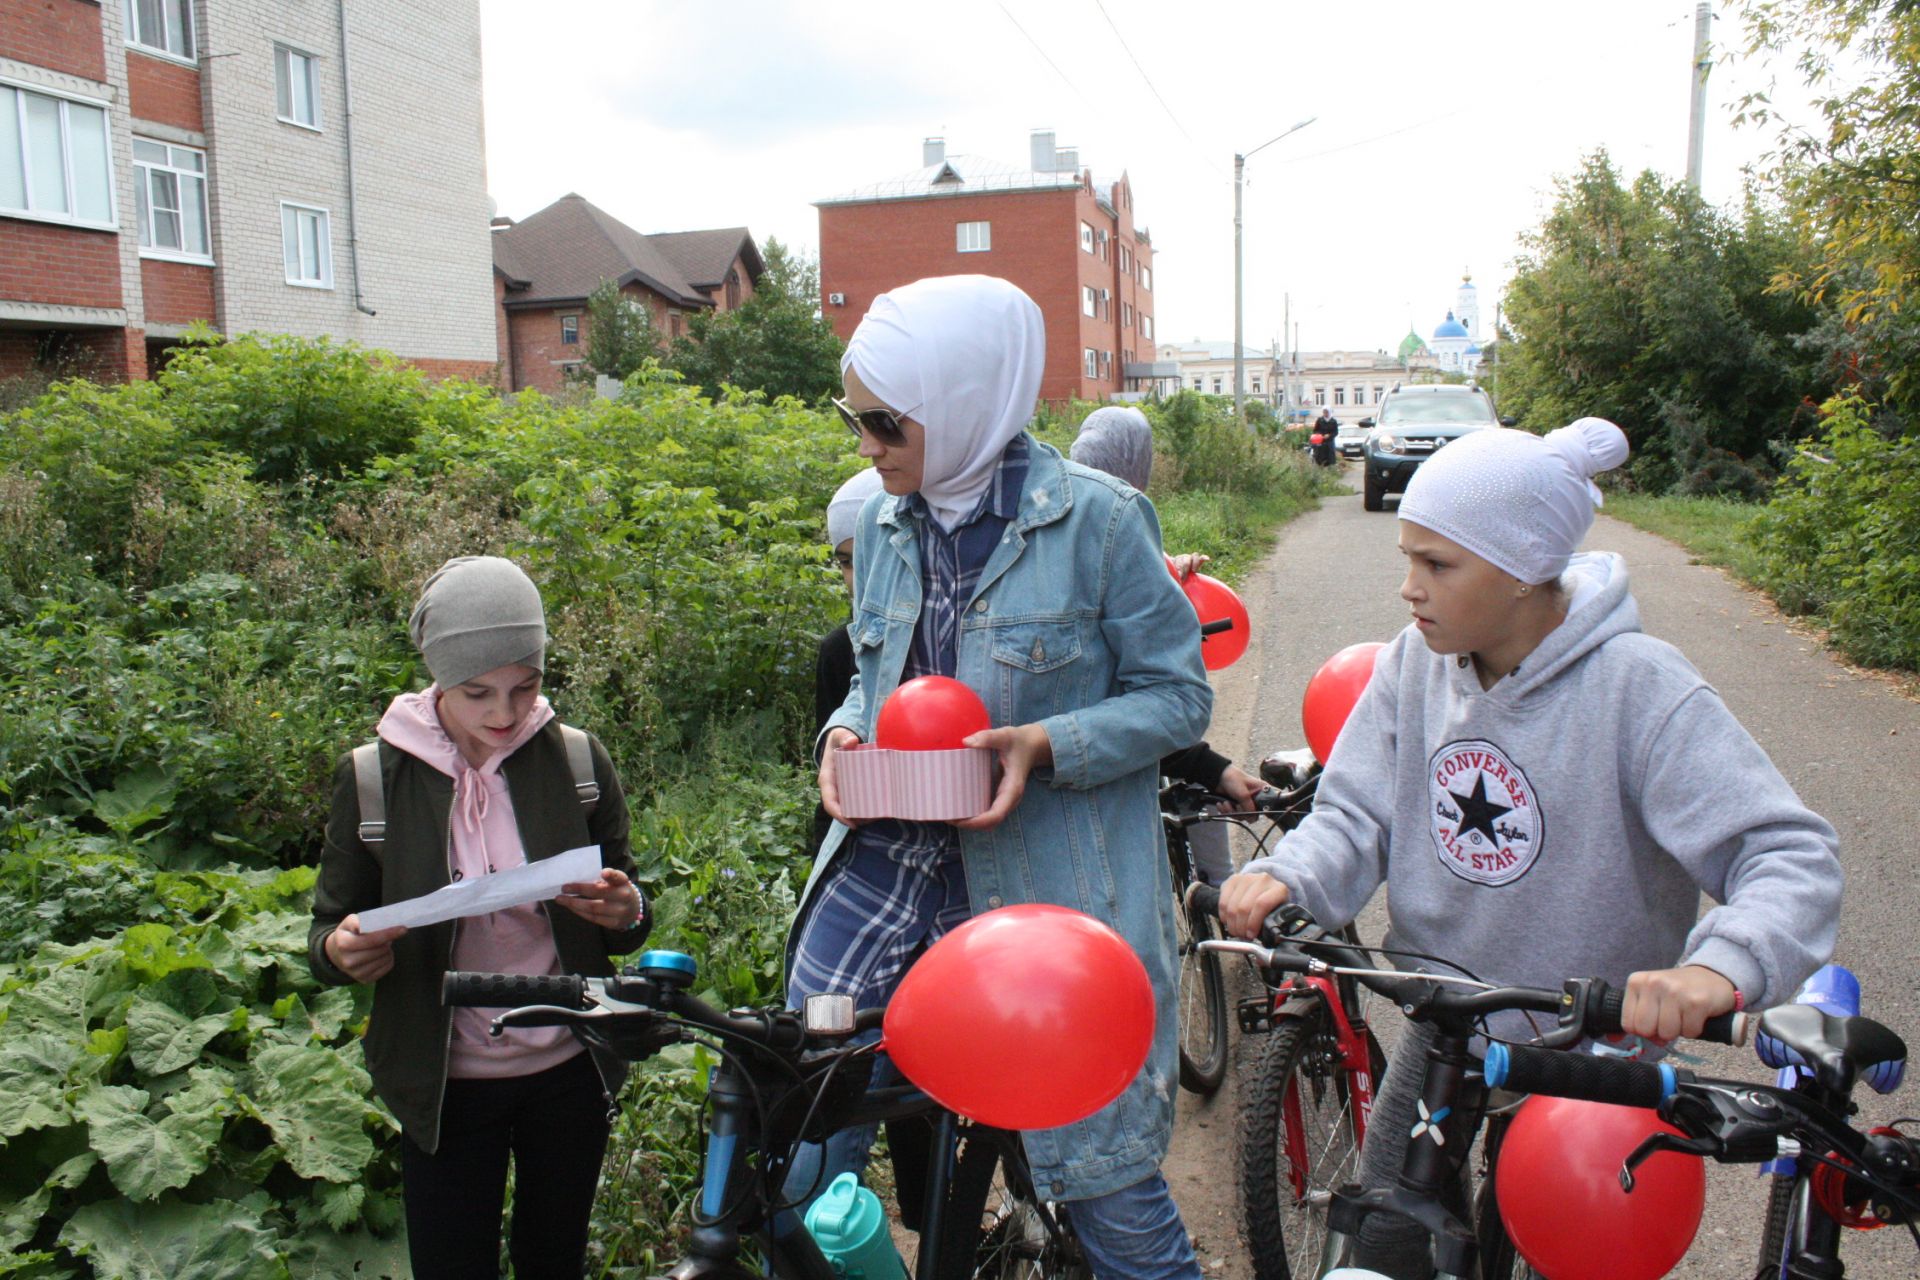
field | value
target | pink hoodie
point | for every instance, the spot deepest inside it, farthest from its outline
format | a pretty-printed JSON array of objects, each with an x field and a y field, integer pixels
[{"x": 484, "y": 838}]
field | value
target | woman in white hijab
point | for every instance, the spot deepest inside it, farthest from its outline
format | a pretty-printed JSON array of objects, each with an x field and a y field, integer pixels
[{"x": 994, "y": 561}]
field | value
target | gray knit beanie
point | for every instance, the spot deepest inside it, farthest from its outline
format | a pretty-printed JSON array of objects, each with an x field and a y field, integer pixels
[{"x": 475, "y": 614}]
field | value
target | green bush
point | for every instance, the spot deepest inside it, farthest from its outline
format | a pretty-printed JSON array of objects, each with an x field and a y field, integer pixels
[{"x": 1839, "y": 538}]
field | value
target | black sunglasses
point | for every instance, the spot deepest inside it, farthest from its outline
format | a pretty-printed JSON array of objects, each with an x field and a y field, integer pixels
[{"x": 881, "y": 424}]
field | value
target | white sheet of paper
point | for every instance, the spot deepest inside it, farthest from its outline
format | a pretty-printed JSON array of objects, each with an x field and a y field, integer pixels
[{"x": 476, "y": 897}]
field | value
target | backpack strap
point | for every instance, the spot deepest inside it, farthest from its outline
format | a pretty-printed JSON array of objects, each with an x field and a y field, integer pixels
[
  {"x": 580, "y": 759},
  {"x": 373, "y": 797}
]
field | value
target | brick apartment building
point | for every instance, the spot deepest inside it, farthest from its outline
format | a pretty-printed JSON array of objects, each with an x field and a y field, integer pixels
[
  {"x": 1070, "y": 242},
  {"x": 312, "y": 169},
  {"x": 546, "y": 265}
]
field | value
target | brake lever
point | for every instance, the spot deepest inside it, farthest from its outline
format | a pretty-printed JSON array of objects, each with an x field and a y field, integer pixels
[
  {"x": 1658, "y": 1142},
  {"x": 545, "y": 1015}
]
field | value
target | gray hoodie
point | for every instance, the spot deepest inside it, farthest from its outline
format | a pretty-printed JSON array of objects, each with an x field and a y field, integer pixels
[{"x": 1564, "y": 823}]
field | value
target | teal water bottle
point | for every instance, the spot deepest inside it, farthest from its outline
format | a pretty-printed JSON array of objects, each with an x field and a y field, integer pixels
[{"x": 850, "y": 1226}]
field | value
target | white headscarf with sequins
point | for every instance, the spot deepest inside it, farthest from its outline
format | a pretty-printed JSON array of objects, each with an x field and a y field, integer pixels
[
  {"x": 1519, "y": 501},
  {"x": 962, "y": 356},
  {"x": 1119, "y": 441}
]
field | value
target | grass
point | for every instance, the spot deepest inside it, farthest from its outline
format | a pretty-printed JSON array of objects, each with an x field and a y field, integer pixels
[
  {"x": 1712, "y": 529},
  {"x": 1236, "y": 529}
]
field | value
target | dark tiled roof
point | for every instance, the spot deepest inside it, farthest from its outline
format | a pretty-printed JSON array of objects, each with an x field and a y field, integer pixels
[
  {"x": 705, "y": 257},
  {"x": 567, "y": 249}
]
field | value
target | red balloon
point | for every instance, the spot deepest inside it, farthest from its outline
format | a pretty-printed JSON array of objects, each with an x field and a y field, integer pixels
[
  {"x": 1558, "y": 1180},
  {"x": 1028, "y": 1017},
  {"x": 1214, "y": 600},
  {"x": 1172, "y": 568},
  {"x": 929, "y": 713},
  {"x": 1335, "y": 687}
]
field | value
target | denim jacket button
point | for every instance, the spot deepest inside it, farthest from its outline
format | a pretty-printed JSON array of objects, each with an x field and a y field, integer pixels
[
  {"x": 994, "y": 900},
  {"x": 1039, "y": 651},
  {"x": 979, "y": 606},
  {"x": 1059, "y": 1187}
]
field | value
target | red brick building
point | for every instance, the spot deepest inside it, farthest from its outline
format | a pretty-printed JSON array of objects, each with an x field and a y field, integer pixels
[
  {"x": 169, "y": 162},
  {"x": 545, "y": 266},
  {"x": 1069, "y": 241}
]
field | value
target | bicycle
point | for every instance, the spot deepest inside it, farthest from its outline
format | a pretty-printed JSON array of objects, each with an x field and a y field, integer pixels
[
  {"x": 1435, "y": 1188},
  {"x": 785, "y": 1078},
  {"x": 1202, "y": 1000},
  {"x": 1841, "y": 1176}
]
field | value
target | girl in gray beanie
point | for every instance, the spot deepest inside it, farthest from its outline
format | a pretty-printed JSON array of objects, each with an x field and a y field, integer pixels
[
  {"x": 469, "y": 777},
  {"x": 1547, "y": 790}
]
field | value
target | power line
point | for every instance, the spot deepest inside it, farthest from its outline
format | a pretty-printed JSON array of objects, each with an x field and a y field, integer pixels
[
  {"x": 1049, "y": 61},
  {"x": 1197, "y": 148}
]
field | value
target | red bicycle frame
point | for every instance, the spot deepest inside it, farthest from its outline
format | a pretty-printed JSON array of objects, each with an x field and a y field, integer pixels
[{"x": 1350, "y": 1038}]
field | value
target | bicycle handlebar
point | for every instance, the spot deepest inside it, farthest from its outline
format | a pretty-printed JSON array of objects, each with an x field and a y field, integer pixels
[{"x": 512, "y": 990}]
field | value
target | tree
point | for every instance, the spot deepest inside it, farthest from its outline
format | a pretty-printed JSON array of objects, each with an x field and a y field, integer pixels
[
  {"x": 776, "y": 342},
  {"x": 620, "y": 333},
  {"x": 1854, "y": 182},
  {"x": 1642, "y": 304}
]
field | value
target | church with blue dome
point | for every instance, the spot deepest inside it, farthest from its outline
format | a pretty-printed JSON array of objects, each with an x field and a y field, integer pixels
[{"x": 1455, "y": 343}]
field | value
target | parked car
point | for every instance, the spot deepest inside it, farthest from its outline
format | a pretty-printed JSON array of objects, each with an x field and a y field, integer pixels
[
  {"x": 1412, "y": 423},
  {"x": 1351, "y": 439}
]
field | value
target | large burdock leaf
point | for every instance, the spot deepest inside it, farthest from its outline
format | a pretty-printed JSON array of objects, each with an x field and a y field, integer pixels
[
  {"x": 360, "y": 1255},
  {"x": 33, "y": 1081},
  {"x": 21, "y": 1219},
  {"x": 315, "y": 1103},
  {"x": 170, "y": 1022},
  {"x": 145, "y": 1157},
  {"x": 170, "y": 1240}
]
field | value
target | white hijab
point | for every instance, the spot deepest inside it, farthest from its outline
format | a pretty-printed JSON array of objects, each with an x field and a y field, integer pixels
[
  {"x": 1119, "y": 441},
  {"x": 962, "y": 356},
  {"x": 843, "y": 512},
  {"x": 1519, "y": 501}
]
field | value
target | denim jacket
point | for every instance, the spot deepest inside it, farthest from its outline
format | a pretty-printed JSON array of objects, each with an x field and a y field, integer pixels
[{"x": 1077, "y": 625}]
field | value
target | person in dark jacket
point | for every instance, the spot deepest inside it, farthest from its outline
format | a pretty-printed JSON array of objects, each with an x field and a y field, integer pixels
[{"x": 475, "y": 778}]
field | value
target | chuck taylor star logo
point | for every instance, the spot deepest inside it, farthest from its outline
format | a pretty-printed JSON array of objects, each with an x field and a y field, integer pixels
[{"x": 1483, "y": 813}]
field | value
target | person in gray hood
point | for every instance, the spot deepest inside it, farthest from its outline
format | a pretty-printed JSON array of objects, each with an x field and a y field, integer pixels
[{"x": 1546, "y": 788}]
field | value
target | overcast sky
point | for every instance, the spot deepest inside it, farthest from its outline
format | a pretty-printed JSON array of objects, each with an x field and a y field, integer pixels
[{"x": 1440, "y": 127}]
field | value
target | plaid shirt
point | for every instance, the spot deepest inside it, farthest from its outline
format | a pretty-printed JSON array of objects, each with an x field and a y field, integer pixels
[
  {"x": 950, "y": 566},
  {"x": 900, "y": 886}
]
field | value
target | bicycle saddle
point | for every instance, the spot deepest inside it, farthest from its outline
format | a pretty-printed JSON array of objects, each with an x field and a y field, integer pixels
[
  {"x": 1287, "y": 770},
  {"x": 1838, "y": 1050}
]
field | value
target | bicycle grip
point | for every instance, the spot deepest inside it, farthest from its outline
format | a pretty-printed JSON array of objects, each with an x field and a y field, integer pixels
[
  {"x": 1204, "y": 898},
  {"x": 1579, "y": 1075},
  {"x": 513, "y": 990},
  {"x": 1604, "y": 1002}
]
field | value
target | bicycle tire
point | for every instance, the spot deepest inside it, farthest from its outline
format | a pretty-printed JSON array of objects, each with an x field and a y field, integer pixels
[
  {"x": 1499, "y": 1259},
  {"x": 1778, "y": 1227},
  {"x": 996, "y": 1228},
  {"x": 1286, "y": 1231},
  {"x": 1203, "y": 989}
]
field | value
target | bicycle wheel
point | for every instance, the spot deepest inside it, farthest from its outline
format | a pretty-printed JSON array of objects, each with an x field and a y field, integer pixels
[
  {"x": 1499, "y": 1259},
  {"x": 1203, "y": 990},
  {"x": 996, "y": 1227},
  {"x": 1297, "y": 1143},
  {"x": 1782, "y": 1195}
]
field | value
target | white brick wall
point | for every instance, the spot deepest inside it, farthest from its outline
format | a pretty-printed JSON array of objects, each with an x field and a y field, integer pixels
[{"x": 425, "y": 259}]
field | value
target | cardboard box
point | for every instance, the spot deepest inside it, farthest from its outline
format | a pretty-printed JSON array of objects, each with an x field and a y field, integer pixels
[{"x": 920, "y": 786}]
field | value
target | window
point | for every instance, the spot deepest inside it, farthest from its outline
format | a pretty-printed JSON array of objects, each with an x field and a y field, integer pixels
[
  {"x": 53, "y": 159},
  {"x": 1377, "y": 393},
  {"x": 1091, "y": 363},
  {"x": 674, "y": 324},
  {"x": 1196, "y": 385},
  {"x": 1126, "y": 261},
  {"x": 1106, "y": 305},
  {"x": 1146, "y": 326},
  {"x": 1101, "y": 237},
  {"x": 306, "y": 245},
  {"x": 163, "y": 25},
  {"x": 570, "y": 331},
  {"x": 1339, "y": 395},
  {"x": 973, "y": 237},
  {"x": 1256, "y": 386},
  {"x": 170, "y": 199},
  {"x": 1216, "y": 384},
  {"x": 1146, "y": 277},
  {"x": 297, "y": 82},
  {"x": 1126, "y": 315},
  {"x": 1320, "y": 395},
  {"x": 1106, "y": 364},
  {"x": 1089, "y": 300},
  {"x": 1086, "y": 236}
]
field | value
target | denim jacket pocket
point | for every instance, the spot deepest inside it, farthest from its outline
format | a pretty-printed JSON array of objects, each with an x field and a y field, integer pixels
[{"x": 1036, "y": 647}]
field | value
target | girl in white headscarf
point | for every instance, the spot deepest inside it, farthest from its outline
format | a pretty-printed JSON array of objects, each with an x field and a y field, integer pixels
[
  {"x": 1547, "y": 788},
  {"x": 994, "y": 561}
]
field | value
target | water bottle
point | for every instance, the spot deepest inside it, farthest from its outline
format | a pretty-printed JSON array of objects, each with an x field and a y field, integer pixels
[{"x": 850, "y": 1226}]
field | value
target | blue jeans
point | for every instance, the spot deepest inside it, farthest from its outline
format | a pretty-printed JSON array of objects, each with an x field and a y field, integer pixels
[{"x": 1135, "y": 1233}]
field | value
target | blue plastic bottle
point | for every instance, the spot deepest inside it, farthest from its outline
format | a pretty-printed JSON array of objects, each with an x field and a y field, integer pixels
[{"x": 850, "y": 1226}]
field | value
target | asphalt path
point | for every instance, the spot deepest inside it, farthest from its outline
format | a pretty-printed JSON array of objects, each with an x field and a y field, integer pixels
[{"x": 1848, "y": 741}]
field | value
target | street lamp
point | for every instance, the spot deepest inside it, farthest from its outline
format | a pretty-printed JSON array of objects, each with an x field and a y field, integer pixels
[{"x": 1239, "y": 350}]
